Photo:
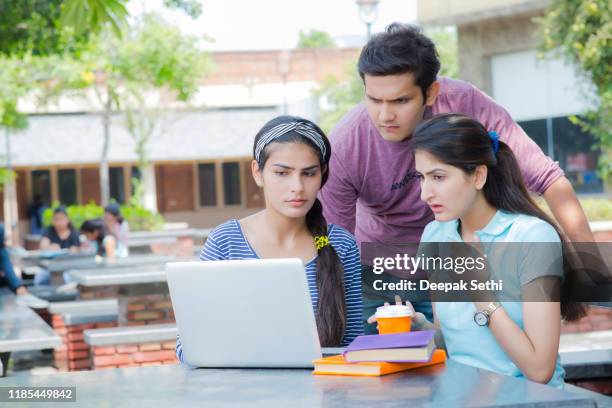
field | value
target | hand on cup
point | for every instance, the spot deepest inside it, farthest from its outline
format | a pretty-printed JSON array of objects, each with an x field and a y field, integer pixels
[{"x": 401, "y": 318}]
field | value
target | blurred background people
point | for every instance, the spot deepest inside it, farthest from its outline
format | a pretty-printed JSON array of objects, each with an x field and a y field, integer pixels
[
  {"x": 61, "y": 234},
  {"x": 118, "y": 227}
]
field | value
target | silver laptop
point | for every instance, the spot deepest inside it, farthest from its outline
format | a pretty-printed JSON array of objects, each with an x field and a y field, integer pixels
[{"x": 244, "y": 313}]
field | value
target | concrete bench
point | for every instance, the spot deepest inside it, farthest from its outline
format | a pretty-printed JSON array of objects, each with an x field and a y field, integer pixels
[
  {"x": 177, "y": 242},
  {"x": 141, "y": 238},
  {"x": 103, "y": 306},
  {"x": 587, "y": 359},
  {"x": 132, "y": 346},
  {"x": 142, "y": 292},
  {"x": 119, "y": 276},
  {"x": 134, "y": 260},
  {"x": 21, "y": 329}
]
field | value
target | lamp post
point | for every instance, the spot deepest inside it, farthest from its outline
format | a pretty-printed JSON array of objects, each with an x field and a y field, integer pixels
[{"x": 368, "y": 11}]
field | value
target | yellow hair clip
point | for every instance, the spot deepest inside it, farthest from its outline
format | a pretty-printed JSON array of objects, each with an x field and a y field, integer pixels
[{"x": 321, "y": 241}]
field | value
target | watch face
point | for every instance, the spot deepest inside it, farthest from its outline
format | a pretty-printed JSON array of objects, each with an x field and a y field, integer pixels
[{"x": 480, "y": 318}]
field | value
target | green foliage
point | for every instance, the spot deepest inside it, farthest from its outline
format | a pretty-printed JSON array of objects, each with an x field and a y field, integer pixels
[
  {"x": 157, "y": 55},
  {"x": 140, "y": 219},
  {"x": 30, "y": 26},
  {"x": 597, "y": 209},
  {"x": 16, "y": 81},
  {"x": 192, "y": 8},
  {"x": 315, "y": 39},
  {"x": 581, "y": 32},
  {"x": 77, "y": 213},
  {"x": 5, "y": 176},
  {"x": 94, "y": 15},
  {"x": 339, "y": 96},
  {"x": 446, "y": 44}
]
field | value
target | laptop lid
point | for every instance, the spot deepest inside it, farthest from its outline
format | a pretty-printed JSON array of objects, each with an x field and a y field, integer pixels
[{"x": 244, "y": 313}]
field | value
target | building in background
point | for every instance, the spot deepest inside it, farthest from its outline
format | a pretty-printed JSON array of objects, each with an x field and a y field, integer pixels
[
  {"x": 200, "y": 159},
  {"x": 497, "y": 43}
]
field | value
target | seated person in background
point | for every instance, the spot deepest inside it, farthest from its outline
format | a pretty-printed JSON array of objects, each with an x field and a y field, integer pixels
[
  {"x": 102, "y": 243},
  {"x": 61, "y": 234},
  {"x": 7, "y": 273},
  {"x": 118, "y": 227}
]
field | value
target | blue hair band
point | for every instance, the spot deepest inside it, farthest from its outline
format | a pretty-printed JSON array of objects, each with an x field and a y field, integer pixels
[{"x": 495, "y": 138}]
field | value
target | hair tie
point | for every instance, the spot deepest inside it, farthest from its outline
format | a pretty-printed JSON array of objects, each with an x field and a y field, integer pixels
[
  {"x": 303, "y": 128},
  {"x": 321, "y": 241},
  {"x": 495, "y": 138}
]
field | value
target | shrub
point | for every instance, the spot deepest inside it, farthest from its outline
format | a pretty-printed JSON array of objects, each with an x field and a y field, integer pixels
[{"x": 139, "y": 218}]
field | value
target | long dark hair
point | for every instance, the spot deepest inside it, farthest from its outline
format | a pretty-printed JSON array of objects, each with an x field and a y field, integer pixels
[
  {"x": 331, "y": 305},
  {"x": 463, "y": 142},
  {"x": 96, "y": 225}
]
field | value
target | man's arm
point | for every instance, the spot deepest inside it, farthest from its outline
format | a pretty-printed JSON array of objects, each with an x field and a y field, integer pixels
[
  {"x": 542, "y": 175},
  {"x": 568, "y": 212},
  {"x": 339, "y": 196}
]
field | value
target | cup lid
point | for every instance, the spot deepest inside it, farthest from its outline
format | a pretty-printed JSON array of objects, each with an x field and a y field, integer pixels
[{"x": 394, "y": 311}]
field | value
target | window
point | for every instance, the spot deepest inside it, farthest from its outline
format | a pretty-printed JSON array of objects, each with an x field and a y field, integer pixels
[
  {"x": 571, "y": 147},
  {"x": 135, "y": 177},
  {"x": 117, "y": 184},
  {"x": 536, "y": 130},
  {"x": 573, "y": 150},
  {"x": 207, "y": 184},
  {"x": 67, "y": 184},
  {"x": 41, "y": 185},
  {"x": 231, "y": 183}
]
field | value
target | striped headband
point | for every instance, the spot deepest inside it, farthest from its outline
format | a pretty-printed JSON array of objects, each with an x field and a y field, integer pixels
[{"x": 303, "y": 128}]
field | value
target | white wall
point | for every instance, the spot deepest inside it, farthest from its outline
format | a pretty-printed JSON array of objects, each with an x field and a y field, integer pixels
[{"x": 530, "y": 88}]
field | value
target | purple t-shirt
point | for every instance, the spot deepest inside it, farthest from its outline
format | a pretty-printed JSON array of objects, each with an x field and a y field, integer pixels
[{"x": 373, "y": 191}]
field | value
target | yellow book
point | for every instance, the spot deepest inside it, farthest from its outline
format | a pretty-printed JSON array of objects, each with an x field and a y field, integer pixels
[{"x": 337, "y": 365}]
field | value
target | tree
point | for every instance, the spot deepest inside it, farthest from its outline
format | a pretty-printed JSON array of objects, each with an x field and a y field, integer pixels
[
  {"x": 581, "y": 32},
  {"x": 15, "y": 82},
  {"x": 153, "y": 60},
  {"x": 339, "y": 96},
  {"x": 117, "y": 65},
  {"x": 445, "y": 39},
  {"x": 94, "y": 15},
  {"x": 31, "y": 27},
  {"x": 171, "y": 63},
  {"x": 315, "y": 39}
]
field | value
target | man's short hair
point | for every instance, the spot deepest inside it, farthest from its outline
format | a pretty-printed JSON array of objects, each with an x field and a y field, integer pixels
[{"x": 401, "y": 48}]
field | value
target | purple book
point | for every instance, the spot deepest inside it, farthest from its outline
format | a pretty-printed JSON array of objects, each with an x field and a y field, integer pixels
[{"x": 414, "y": 346}]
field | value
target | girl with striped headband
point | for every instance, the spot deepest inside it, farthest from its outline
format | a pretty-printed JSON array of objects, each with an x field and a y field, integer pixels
[{"x": 290, "y": 165}]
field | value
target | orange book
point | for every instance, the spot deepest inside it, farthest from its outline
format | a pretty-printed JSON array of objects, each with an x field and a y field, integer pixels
[{"x": 337, "y": 365}]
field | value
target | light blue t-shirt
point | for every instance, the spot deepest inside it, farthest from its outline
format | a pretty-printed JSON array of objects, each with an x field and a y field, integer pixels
[{"x": 476, "y": 345}]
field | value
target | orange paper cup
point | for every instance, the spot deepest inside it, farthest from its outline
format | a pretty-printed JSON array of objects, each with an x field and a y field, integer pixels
[{"x": 393, "y": 319}]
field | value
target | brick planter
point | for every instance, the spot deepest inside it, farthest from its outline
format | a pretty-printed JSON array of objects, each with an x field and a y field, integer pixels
[
  {"x": 132, "y": 346},
  {"x": 133, "y": 355},
  {"x": 73, "y": 354},
  {"x": 145, "y": 304}
]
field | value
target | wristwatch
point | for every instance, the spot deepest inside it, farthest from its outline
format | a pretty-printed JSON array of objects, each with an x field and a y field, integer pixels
[{"x": 483, "y": 317}]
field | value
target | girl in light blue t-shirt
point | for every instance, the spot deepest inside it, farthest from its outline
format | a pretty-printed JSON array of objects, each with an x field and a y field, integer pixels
[{"x": 473, "y": 184}]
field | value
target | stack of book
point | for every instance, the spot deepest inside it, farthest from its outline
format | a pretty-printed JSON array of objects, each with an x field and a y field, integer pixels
[{"x": 377, "y": 355}]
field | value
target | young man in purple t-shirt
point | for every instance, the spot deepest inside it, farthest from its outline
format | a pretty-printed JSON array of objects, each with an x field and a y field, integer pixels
[{"x": 373, "y": 190}]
